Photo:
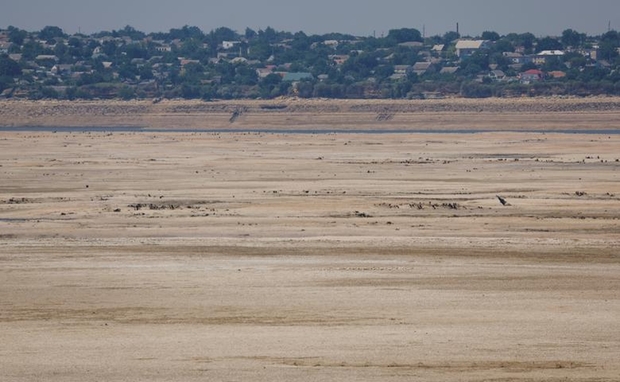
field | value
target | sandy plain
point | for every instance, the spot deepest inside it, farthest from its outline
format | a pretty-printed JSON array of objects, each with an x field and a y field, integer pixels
[{"x": 236, "y": 256}]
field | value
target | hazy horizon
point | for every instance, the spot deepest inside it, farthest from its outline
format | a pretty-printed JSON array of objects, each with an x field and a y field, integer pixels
[{"x": 542, "y": 17}]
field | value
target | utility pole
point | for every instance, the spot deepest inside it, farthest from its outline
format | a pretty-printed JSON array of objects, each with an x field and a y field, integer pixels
[{"x": 457, "y": 29}]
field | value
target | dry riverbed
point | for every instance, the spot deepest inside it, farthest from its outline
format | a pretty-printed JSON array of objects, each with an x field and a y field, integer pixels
[{"x": 292, "y": 257}]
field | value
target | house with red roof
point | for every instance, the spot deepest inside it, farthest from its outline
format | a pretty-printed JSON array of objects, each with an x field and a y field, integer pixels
[{"x": 532, "y": 75}]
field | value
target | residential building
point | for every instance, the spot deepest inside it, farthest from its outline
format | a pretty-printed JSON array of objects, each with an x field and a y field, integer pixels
[
  {"x": 530, "y": 76},
  {"x": 423, "y": 67},
  {"x": 556, "y": 74},
  {"x": 517, "y": 58},
  {"x": 466, "y": 48},
  {"x": 239, "y": 60},
  {"x": 264, "y": 72},
  {"x": 46, "y": 57},
  {"x": 164, "y": 48},
  {"x": 331, "y": 43},
  {"x": 544, "y": 56},
  {"x": 229, "y": 44},
  {"x": 400, "y": 72},
  {"x": 497, "y": 75},
  {"x": 449, "y": 70},
  {"x": 61, "y": 69},
  {"x": 5, "y": 46},
  {"x": 402, "y": 69},
  {"x": 339, "y": 59},
  {"x": 184, "y": 62},
  {"x": 411, "y": 44}
]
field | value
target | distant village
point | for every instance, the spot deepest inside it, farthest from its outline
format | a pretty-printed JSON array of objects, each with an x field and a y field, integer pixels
[{"x": 225, "y": 64}]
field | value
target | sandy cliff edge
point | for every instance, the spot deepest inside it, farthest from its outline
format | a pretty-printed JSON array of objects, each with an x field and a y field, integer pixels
[{"x": 295, "y": 113}]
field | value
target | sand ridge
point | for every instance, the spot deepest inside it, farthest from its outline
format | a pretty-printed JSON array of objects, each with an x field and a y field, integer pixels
[{"x": 598, "y": 113}]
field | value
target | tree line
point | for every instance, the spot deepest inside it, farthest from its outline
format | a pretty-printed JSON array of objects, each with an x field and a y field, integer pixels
[{"x": 190, "y": 63}]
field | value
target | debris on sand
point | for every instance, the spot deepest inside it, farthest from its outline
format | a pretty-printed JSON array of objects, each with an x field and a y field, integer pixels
[{"x": 502, "y": 200}]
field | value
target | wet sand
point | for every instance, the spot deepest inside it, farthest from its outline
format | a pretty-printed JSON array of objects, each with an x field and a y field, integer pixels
[{"x": 294, "y": 257}]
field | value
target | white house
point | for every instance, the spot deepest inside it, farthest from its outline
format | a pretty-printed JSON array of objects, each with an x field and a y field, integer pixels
[
  {"x": 229, "y": 44},
  {"x": 465, "y": 48},
  {"x": 331, "y": 43},
  {"x": 542, "y": 57}
]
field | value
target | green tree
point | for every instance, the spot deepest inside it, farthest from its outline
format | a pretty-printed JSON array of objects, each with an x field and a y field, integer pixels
[
  {"x": 399, "y": 89},
  {"x": 127, "y": 93},
  {"x": 270, "y": 86},
  {"x": 553, "y": 63},
  {"x": 62, "y": 51},
  {"x": 610, "y": 42},
  {"x": 611, "y": 36},
  {"x": 451, "y": 36},
  {"x": 31, "y": 49},
  {"x": 126, "y": 71},
  {"x": 76, "y": 48},
  {"x": 191, "y": 48},
  {"x": 305, "y": 89},
  {"x": 476, "y": 90},
  {"x": 574, "y": 60},
  {"x": 362, "y": 65},
  {"x": 135, "y": 51},
  {"x": 572, "y": 39},
  {"x": 109, "y": 48},
  {"x": 260, "y": 50},
  {"x": 608, "y": 50},
  {"x": 250, "y": 33},
  {"x": 146, "y": 72},
  {"x": 245, "y": 75},
  {"x": 130, "y": 32},
  {"x": 8, "y": 67},
  {"x": 500, "y": 60},
  {"x": 503, "y": 45},
  {"x": 525, "y": 40},
  {"x": 548, "y": 43},
  {"x": 40, "y": 92},
  {"x": 593, "y": 74},
  {"x": 222, "y": 34},
  {"x": 89, "y": 79},
  {"x": 16, "y": 35},
  {"x": 433, "y": 40},
  {"x": 71, "y": 93},
  {"x": 490, "y": 35},
  {"x": 269, "y": 34},
  {"x": 474, "y": 64},
  {"x": 51, "y": 32},
  {"x": 6, "y": 82},
  {"x": 187, "y": 32},
  {"x": 193, "y": 70},
  {"x": 405, "y": 35}
]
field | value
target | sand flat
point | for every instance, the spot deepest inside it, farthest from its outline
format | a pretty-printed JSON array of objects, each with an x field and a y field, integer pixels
[{"x": 271, "y": 256}]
